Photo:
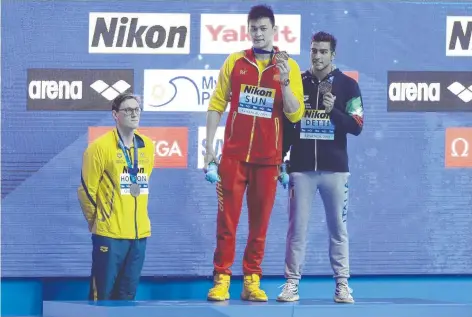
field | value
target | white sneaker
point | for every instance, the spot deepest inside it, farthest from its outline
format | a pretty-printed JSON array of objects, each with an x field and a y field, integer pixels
[
  {"x": 289, "y": 292},
  {"x": 343, "y": 293}
]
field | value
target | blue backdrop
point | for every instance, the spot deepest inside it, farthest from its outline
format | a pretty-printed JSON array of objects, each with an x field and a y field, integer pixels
[{"x": 408, "y": 213}]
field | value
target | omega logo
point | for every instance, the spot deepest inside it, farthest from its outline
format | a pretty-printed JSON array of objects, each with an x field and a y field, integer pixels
[{"x": 455, "y": 147}]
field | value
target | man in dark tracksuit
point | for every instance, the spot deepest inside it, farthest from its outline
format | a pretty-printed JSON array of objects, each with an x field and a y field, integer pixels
[{"x": 319, "y": 161}]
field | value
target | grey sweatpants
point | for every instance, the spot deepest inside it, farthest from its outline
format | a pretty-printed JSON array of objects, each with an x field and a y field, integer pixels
[{"x": 334, "y": 192}]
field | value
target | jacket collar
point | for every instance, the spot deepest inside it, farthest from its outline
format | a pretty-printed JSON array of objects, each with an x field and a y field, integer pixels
[
  {"x": 335, "y": 71},
  {"x": 249, "y": 54},
  {"x": 139, "y": 139}
]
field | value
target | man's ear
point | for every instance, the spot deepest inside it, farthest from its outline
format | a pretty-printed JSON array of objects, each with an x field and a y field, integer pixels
[{"x": 114, "y": 115}]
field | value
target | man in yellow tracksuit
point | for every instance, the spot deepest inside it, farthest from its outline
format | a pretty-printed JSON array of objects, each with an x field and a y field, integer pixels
[{"x": 113, "y": 195}]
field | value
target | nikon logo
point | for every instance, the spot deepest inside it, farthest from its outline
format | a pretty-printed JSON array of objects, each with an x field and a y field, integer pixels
[
  {"x": 459, "y": 36},
  {"x": 139, "y": 33},
  {"x": 253, "y": 90},
  {"x": 316, "y": 114},
  {"x": 126, "y": 171}
]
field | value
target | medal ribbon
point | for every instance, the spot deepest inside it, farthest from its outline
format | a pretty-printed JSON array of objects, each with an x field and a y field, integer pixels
[
  {"x": 132, "y": 170},
  {"x": 261, "y": 51}
]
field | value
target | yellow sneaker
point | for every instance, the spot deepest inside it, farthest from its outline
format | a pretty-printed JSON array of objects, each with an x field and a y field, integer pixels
[
  {"x": 220, "y": 289},
  {"x": 252, "y": 289}
]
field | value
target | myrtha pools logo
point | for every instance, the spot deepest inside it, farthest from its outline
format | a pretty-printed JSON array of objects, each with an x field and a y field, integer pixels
[{"x": 178, "y": 90}]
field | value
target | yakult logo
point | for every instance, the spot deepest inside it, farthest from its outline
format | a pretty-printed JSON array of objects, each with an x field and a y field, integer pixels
[{"x": 228, "y": 33}]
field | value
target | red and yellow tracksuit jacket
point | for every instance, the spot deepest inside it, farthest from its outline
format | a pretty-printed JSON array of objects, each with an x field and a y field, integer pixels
[{"x": 250, "y": 138}]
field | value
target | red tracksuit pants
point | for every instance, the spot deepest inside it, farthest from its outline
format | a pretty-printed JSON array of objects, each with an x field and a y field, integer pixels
[{"x": 261, "y": 184}]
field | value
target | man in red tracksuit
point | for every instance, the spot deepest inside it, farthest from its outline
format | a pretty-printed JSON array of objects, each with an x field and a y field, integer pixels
[{"x": 262, "y": 85}]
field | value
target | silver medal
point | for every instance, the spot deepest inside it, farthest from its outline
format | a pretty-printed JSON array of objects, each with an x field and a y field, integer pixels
[
  {"x": 134, "y": 190},
  {"x": 325, "y": 86}
]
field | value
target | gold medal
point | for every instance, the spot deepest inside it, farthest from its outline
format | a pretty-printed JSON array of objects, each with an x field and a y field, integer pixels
[{"x": 281, "y": 56}]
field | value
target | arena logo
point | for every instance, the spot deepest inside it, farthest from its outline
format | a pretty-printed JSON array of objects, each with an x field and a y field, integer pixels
[
  {"x": 139, "y": 33},
  {"x": 76, "y": 89},
  {"x": 412, "y": 91},
  {"x": 462, "y": 92},
  {"x": 429, "y": 91}
]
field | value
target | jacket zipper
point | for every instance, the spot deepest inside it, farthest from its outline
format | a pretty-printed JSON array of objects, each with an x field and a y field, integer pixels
[
  {"x": 250, "y": 139},
  {"x": 232, "y": 124},
  {"x": 276, "y": 133},
  {"x": 316, "y": 152},
  {"x": 317, "y": 100},
  {"x": 136, "y": 215},
  {"x": 135, "y": 209},
  {"x": 254, "y": 117}
]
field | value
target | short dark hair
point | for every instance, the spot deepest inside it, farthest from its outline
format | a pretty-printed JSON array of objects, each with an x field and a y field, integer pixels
[
  {"x": 261, "y": 11},
  {"x": 325, "y": 37},
  {"x": 116, "y": 103}
]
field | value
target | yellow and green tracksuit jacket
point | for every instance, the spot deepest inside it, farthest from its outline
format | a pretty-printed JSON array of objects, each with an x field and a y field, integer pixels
[{"x": 104, "y": 196}]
